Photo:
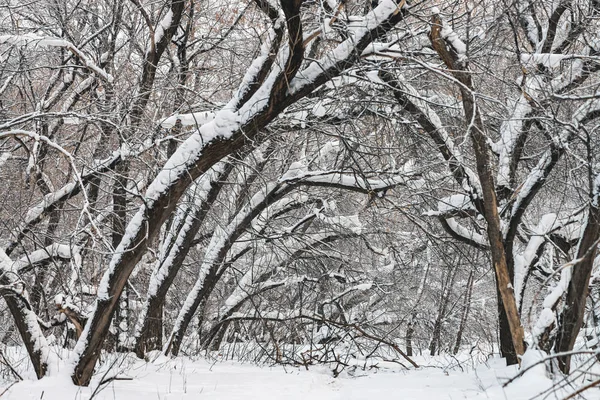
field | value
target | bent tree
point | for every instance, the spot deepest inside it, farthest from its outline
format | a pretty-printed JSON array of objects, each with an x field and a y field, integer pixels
[
  {"x": 217, "y": 192},
  {"x": 276, "y": 79},
  {"x": 504, "y": 191}
]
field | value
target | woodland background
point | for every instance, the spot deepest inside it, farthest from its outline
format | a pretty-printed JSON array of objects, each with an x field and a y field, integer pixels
[{"x": 300, "y": 182}]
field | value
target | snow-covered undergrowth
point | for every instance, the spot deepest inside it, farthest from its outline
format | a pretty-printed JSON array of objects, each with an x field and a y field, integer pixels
[{"x": 443, "y": 377}]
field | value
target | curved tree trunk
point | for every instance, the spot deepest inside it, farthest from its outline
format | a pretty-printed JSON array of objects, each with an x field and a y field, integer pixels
[
  {"x": 476, "y": 130},
  {"x": 197, "y": 155},
  {"x": 25, "y": 318},
  {"x": 149, "y": 330},
  {"x": 571, "y": 318}
]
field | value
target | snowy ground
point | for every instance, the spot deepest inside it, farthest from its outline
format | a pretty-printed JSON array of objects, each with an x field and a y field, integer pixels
[{"x": 165, "y": 379}]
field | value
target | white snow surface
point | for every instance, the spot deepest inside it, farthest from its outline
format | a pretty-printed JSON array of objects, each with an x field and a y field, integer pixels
[
  {"x": 546, "y": 59},
  {"x": 184, "y": 378},
  {"x": 163, "y": 26},
  {"x": 190, "y": 119},
  {"x": 452, "y": 37},
  {"x": 524, "y": 260}
]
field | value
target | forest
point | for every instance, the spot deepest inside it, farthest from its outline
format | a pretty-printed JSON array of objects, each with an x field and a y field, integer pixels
[{"x": 337, "y": 184}]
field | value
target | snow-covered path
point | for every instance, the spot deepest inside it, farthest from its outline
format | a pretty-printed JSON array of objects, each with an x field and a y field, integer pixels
[{"x": 186, "y": 379}]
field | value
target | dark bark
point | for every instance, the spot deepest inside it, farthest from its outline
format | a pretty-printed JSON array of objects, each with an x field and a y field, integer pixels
[
  {"x": 157, "y": 211},
  {"x": 209, "y": 284},
  {"x": 570, "y": 320},
  {"x": 484, "y": 169},
  {"x": 465, "y": 314},
  {"x": 409, "y": 336},
  {"x": 150, "y": 337},
  {"x": 21, "y": 312}
]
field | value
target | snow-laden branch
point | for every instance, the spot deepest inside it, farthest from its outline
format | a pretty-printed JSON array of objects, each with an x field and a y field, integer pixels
[
  {"x": 574, "y": 281},
  {"x": 524, "y": 261},
  {"x": 361, "y": 287},
  {"x": 452, "y": 39},
  {"x": 51, "y": 201},
  {"x": 457, "y": 204},
  {"x": 511, "y": 132},
  {"x": 388, "y": 12},
  {"x": 534, "y": 88},
  {"x": 35, "y": 40},
  {"x": 77, "y": 177},
  {"x": 196, "y": 119},
  {"x": 178, "y": 240},
  {"x": 469, "y": 234},
  {"x": 225, "y": 134},
  {"x": 220, "y": 244},
  {"x": 56, "y": 250},
  {"x": 348, "y": 181},
  {"x": 260, "y": 271},
  {"x": 280, "y": 316},
  {"x": 535, "y": 179},
  {"x": 260, "y": 66},
  {"x": 413, "y": 103},
  {"x": 7, "y": 83},
  {"x": 15, "y": 295}
]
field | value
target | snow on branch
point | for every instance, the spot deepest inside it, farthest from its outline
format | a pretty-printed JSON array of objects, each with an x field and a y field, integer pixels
[
  {"x": 54, "y": 199},
  {"x": 260, "y": 66},
  {"x": 526, "y": 191},
  {"x": 387, "y": 13},
  {"x": 523, "y": 262},
  {"x": 548, "y": 60},
  {"x": 35, "y": 40},
  {"x": 361, "y": 287},
  {"x": 467, "y": 233},
  {"x": 412, "y": 101},
  {"x": 190, "y": 119},
  {"x": 56, "y": 250},
  {"x": 25, "y": 318},
  {"x": 163, "y": 25},
  {"x": 547, "y": 318},
  {"x": 266, "y": 266},
  {"x": 173, "y": 246},
  {"x": 511, "y": 131},
  {"x": 226, "y": 133},
  {"x": 348, "y": 181},
  {"x": 441, "y": 29},
  {"x": 457, "y": 204}
]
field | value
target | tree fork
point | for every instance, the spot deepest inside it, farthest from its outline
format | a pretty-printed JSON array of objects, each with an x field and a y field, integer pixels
[{"x": 459, "y": 70}]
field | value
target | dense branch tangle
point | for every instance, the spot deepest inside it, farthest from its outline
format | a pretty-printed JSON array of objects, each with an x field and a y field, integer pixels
[
  {"x": 233, "y": 127},
  {"x": 222, "y": 202}
]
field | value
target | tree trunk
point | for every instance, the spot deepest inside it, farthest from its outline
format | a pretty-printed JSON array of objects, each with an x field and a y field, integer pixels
[
  {"x": 507, "y": 347},
  {"x": 445, "y": 299},
  {"x": 186, "y": 317},
  {"x": 149, "y": 334},
  {"x": 571, "y": 318},
  {"x": 476, "y": 130},
  {"x": 465, "y": 314},
  {"x": 409, "y": 336},
  {"x": 151, "y": 337},
  {"x": 194, "y": 158}
]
